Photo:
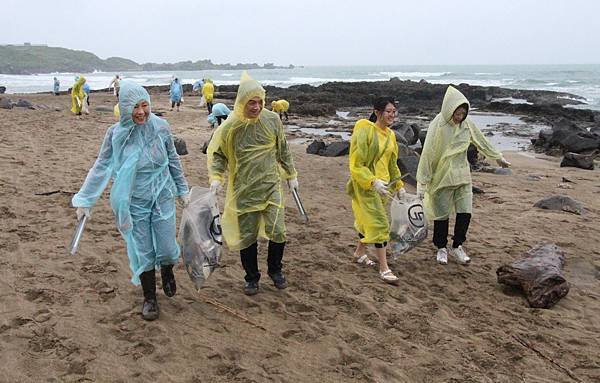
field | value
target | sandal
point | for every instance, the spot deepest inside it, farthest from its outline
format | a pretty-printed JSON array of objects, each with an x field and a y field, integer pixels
[
  {"x": 388, "y": 277},
  {"x": 364, "y": 260}
]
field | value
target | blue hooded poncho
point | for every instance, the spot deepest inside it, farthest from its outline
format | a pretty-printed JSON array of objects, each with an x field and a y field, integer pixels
[{"x": 147, "y": 176}]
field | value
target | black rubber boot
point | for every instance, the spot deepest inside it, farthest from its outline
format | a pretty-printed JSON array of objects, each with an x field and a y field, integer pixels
[
  {"x": 251, "y": 288},
  {"x": 150, "y": 307},
  {"x": 274, "y": 257},
  {"x": 168, "y": 280}
]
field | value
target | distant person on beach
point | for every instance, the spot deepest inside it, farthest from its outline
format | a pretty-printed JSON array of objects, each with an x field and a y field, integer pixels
[
  {"x": 139, "y": 155},
  {"x": 444, "y": 175},
  {"x": 281, "y": 107},
  {"x": 176, "y": 92},
  {"x": 251, "y": 147},
  {"x": 56, "y": 86},
  {"x": 77, "y": 95},
  {"x": 374, "y": 177},
  {"x": 208, "y": 91},
  {"x": 115, "y": 85},
  {"x": 86, "y": 90},
  {"x": 220, "y": 112},
  {"x": 197, "y": 86}
]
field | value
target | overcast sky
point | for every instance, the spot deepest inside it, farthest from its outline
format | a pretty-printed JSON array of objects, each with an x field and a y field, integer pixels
[{"x": 315, "y": 32}]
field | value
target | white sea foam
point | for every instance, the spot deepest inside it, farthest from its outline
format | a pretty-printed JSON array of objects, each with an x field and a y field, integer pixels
[{"x": 415, "y": 74}]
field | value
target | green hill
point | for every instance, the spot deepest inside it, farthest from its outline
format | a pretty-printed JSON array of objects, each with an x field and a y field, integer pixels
[{"x": 29, "y": 59}]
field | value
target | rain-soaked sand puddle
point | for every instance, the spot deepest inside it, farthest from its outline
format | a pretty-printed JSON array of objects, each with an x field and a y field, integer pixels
[{"x": 505, "y": 131}]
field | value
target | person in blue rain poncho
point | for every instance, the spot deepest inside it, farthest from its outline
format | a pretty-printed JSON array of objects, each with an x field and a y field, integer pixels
[
  {"x": 56, "y": 86},
  {"x": 139, "y": 155},
  {"x": 86, "y": 99},
  {"x": 219, "y": 113},
  {"x": 176, "y": 93}
]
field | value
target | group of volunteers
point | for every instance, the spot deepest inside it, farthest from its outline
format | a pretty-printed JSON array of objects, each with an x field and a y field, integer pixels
[{"x": 248, "y": 155}]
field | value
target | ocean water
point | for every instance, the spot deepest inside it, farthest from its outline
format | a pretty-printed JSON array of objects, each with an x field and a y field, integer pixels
[{"x": 581, "y": 80}]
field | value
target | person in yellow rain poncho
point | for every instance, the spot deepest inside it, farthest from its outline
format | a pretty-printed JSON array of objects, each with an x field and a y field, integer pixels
[
  {"x": 77, "y": 95},
  {"x": 374, "y": 177},
  {"x": 251, "y": 147},
  {"x": 281, "y": 107},
  {"x": 444, "y": 175},
  {"x": 208, "y": 91}
]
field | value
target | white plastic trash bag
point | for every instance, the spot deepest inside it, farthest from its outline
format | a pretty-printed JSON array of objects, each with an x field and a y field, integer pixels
[
  {"x": 200, "y": 235},
  {"x": 409, "y": 225},
  {"x": 202, "y": 101}
]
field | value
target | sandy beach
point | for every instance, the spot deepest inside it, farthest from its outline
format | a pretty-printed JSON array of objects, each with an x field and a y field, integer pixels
[{"x": 77, "y": 318}]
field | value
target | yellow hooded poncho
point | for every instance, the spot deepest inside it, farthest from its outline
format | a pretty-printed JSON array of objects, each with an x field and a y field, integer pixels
[
  {"x": 443, "y": 166},
  {"x": 373, "y": 155},
  {"x": 280, "y": 106},
  {"x": 77, "y": 95},
  {"x": 208, "y": 90},
  {"x": 256, "y": 156}
]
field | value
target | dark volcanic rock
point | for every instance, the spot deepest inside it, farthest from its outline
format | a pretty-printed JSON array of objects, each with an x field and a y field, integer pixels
[
  {"x": 336, "y": 149},
  {"x": 405, "y": 133},
  {"x": 315, "y": 147},
  {"x": 560, "y": 202},
  {"x": 578, "y": 161},
  {"x": 180, "y": 146},
  {"x": 408, "y": 168},
  {"x": 539, "y": 274}
]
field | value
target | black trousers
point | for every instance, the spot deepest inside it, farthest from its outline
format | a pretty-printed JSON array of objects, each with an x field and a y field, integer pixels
[
  {"x": 249, "y": 257},
  {"x": 220, "y": 118},
  {"x": 209, "y": 106},
  {"x": 440, "y": 231}
]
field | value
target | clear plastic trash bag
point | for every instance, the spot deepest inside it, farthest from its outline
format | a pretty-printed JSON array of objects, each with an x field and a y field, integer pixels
[
  {"x": 200, "y": 235},
  {"x": 408, "y": 225}
]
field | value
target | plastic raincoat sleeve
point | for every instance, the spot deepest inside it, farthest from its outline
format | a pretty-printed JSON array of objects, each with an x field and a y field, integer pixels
[
  {"x": 358, "y": 159},
  {"x": 284, "y": 156},
  {"x": 98, "y": 176},
  {"x": 217, "y": 160},
  {"x": 426, "y": 161},
  {"x": 482, "y": 143},
  {"x": 395, "y": 175},
  {"x": 175, "y": 167}
]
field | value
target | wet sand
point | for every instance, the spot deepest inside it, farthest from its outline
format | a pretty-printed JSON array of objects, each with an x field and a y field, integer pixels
[{"x": 77, "y": 318}]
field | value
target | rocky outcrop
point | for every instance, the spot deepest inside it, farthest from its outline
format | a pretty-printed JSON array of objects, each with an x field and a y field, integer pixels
[
  {"x": 334, "y": 149},
  {"x": 566, "y": 136},
  {"x": 578, "y": 161}
]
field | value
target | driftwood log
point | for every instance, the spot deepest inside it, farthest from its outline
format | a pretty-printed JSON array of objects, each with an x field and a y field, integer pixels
[{"x": 539, "y": 274}]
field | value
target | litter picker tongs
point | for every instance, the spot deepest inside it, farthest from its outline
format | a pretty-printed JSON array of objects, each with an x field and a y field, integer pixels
[
  {"x": 299, "y": 204},
  {"x": 77, "y": 235}
]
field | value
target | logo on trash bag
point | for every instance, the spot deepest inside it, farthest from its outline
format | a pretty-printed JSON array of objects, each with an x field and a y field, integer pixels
[{"x": 416, "y": 215}]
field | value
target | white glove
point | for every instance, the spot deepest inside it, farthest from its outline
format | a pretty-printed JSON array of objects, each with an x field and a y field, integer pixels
[
  {"x": 215, "y": 186},
  {"x": 83, "y": 211},
  {"x": 293, "y": 184},
  {"x": 184, "y": 200},
  {"x": 401, "y": 193},
  {"x": 502, "y": 162},
  {"x": 421, "y": 189},
  {"x": 380, "y": 187}
]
